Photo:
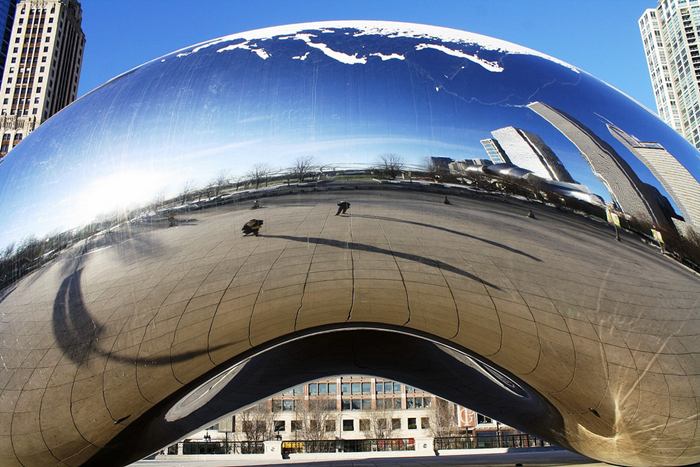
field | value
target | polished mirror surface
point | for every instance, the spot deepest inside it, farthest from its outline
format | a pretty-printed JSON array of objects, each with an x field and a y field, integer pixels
[{"x": 477, "y": 204}]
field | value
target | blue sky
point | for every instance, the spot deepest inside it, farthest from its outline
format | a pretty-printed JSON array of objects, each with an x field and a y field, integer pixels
[{"x": 599, "y": 36}]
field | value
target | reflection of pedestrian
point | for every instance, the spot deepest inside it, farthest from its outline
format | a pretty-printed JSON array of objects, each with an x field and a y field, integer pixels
[
  {"x": 256, "y": 205},
  {"x": 447, "y": 201},
  {"x": 252, "y": 227},
  {"x": 343, "y": 207}
]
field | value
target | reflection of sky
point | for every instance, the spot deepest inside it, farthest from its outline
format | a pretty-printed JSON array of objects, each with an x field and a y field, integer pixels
[{"x": 187, "y": 119}]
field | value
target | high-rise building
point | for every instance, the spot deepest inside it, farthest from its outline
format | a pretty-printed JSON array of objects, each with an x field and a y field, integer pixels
[
  {"x": 527, "y": 150},
  {"x": 670, "y": 36},
  {"x": 42, "y": 68},
  {"x": 628, "y": 192},
  {"x": 7, "y": 17},
  {"x": 675, "y": 178},
  {"x": 494, "y": 151}
]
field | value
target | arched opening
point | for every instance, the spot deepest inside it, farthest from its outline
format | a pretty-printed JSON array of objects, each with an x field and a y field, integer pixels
[{"x": 416, "y": 359}]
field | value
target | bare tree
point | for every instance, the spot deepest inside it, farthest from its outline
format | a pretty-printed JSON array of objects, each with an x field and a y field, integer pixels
[
  {"x": 379, "y": 424},
  {"x": 444, "y": 418},
  {"x": 256, "y": 422},
  {"x": 312, "y": 417},
  {"x": 303, "y": 167},
  {"x": 390, "y": 165},
  {"x": 258, "y": 173}
]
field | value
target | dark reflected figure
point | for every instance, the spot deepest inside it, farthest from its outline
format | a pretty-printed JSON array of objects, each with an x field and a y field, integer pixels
[
  {"x": 343, "y": 207},
  {"x": 447, "y": 201},
  {"x": 256, "y": 205},
  {"x": 456, "y": 232},
  {"x": 531, "y": 214},
  {"x": 172, "y": 222},
  {"x": 374, "y": 249},
  {"x": 253, "y": 226},
  {"x": 77, "y": 332}
]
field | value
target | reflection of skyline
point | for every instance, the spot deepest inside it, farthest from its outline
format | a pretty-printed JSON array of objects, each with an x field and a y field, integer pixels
[
  {"x": 188, "y": 119},
  {"x": 527, "y": 150},
  {"x": 630, "y": 194},
  {"x": 676, "y": 180}
]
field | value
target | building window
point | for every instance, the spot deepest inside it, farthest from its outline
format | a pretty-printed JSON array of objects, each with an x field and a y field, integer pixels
[
  {"x": 364, "y": 424},
  {"x": 43, "y": 59},
  {"x": 348, "y": 425},
  {"x": 13, "y": 60},
  {"x": 288, "y": 405},
  {"x": 395, "y": 423},
  {"x": 345, "y": 388},
  {"x": 425, "y": 423},
  {"x": 297, "y": 425},
  {"x": 6, "y": 137},
  {"x": 34, "y": 111},
  {"x": 6, "y": 101},
  {"x": 356, "y": 388},
  {"x": 330, "y": 425},
  {"x": 482, "y": 419},
  {"x": 412, "y": 423},
  {"x": 313, "y": 389},
  {"x": 366, "y": 388},
  {"x": 46, "y": 49},
  {"x": 7, "y": 90}
]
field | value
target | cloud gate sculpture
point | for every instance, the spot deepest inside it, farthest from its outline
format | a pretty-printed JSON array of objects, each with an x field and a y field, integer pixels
[{"x": 521, "y": 239}]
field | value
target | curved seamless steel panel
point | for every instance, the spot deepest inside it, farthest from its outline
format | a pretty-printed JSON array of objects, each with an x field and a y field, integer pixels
[{"x": 500, "y": 203}]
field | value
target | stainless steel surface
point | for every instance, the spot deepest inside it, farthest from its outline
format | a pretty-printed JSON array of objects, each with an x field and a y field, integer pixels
[{"x": 128, "y": 284}]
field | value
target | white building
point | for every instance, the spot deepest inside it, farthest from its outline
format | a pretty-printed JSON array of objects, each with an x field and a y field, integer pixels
[
  {"x": 349, "y": 407},
  {"x": 528, "y": 151},
  {"x": 42, "y": 68},
  {"x": 670, "y": 36}
]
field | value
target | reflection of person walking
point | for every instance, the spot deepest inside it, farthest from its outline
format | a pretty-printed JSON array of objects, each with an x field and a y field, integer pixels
[
  {"x": 447, "y": 201},
  {"x": 252, "y": 227},
  {"x": 343, "y": 207}
]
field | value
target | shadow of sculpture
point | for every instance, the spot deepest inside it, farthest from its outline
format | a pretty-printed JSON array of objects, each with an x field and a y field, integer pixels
[
  {"x": 456, "y": 232},
  {"x": 78, "y": 333},
  {"x": 374, "y": 249}
]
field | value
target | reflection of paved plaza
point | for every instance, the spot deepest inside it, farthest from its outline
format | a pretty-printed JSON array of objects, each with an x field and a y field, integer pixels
[{"x": 606, "y": 331}]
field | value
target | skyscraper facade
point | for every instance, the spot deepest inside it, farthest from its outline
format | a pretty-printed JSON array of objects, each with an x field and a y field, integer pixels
[
  {"x": 527, "y": 150},
  {"x": 494, "y": 151},
  {"x": 670, "y": 36},
  {"x": 675, "y": 178},
  {"x": 7, "y": 17},
  {"x": 42, "y": 67}
]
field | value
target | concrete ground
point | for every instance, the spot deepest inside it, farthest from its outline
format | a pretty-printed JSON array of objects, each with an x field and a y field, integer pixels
[{"x": 534, "y": 458}]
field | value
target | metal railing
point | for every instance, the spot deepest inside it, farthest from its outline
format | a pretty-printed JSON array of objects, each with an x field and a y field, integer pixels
[
  {"x": 223, "y": 447},
  {"x": 489, "y": 440},
  {"x": 348, "y": 445}
]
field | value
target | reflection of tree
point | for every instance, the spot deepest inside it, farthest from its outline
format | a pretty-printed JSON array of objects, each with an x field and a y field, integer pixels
[
  {"x": 258, "y": 173},
  {"x": 256, "y": 422},
  {"x": 186, "y": 192},
  {"x": 390, "y": 165},
  {"x": 303, "y": 167},
  {"x": 435, "y": 171},
  {"x": 219, "y": 182}
]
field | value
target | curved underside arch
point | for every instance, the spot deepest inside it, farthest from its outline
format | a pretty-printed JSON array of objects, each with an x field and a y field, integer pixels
[{"x": 368, "y": 349}]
